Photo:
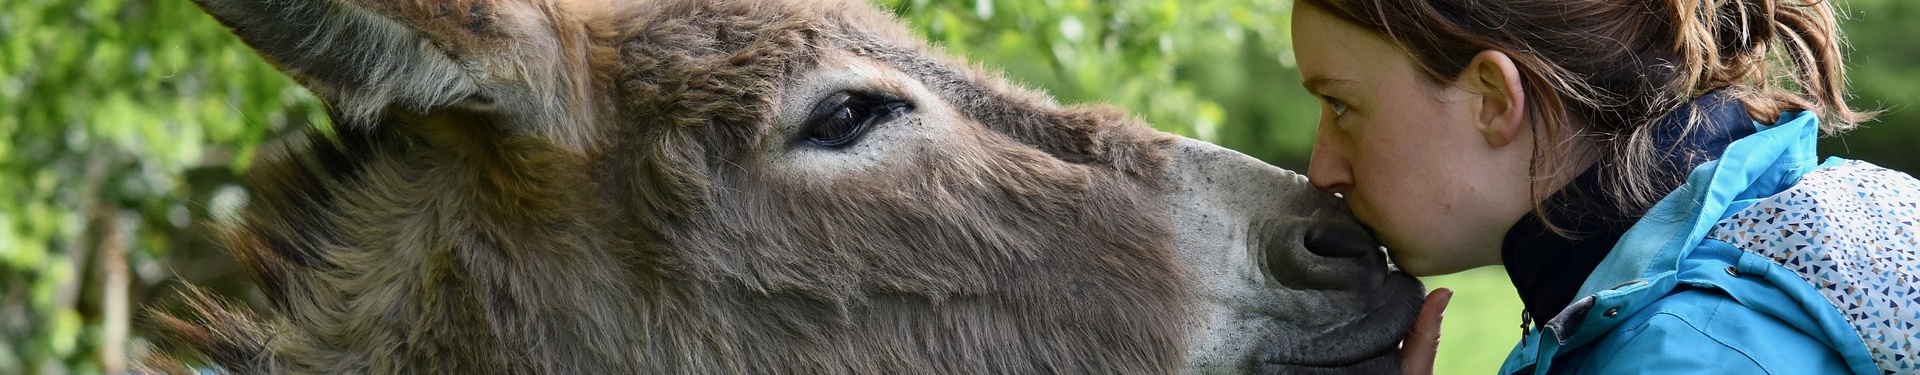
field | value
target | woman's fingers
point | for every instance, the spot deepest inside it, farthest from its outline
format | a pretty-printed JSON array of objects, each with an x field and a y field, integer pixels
[{"x": 1423, "y": 343}]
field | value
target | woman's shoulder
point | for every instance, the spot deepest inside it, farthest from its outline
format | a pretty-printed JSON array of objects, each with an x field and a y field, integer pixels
[
  {"x": 1706, "y": 331},
  {"x": 1841, "y": 205},
  {"x": 1849, "y": 229}
]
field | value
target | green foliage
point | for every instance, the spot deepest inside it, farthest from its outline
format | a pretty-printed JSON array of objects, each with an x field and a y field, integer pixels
[
  {"x": 1216, "y": 70},
  {"x": 1482, "y": 322},
  {"x": 105, "y": 105},
  {"x": 1884, "y": 67}
]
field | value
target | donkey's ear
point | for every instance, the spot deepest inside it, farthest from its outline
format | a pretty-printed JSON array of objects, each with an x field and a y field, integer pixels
[{"x": 366, "y": 57}]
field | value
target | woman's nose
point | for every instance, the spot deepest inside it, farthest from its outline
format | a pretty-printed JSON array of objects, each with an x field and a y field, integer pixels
[{"x": 1327, "y": 167}]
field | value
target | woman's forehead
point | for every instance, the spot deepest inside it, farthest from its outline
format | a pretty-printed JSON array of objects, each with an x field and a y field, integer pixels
[{"x": 1334, "y": 55}]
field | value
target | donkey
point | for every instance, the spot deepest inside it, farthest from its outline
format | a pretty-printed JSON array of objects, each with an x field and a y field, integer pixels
[{"x": 752, "y": 186}]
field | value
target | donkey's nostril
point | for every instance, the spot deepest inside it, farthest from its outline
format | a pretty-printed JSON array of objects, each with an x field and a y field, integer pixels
[
  {"x": 1338, "y": 255},
  {"x": 1339, "y": 239}
]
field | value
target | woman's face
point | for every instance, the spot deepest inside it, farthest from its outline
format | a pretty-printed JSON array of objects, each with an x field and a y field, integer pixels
[{"x": 1413, "y": 157}]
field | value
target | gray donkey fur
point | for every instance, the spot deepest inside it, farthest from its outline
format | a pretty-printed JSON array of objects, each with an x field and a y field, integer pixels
[{"x": 590, "y": 187}]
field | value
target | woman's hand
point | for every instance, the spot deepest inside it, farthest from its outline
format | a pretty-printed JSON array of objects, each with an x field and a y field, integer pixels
[{"x": 1417, "y": 352}]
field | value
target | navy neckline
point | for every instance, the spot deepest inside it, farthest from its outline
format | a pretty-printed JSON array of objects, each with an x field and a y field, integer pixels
[{"x": 1547, "y": 269}]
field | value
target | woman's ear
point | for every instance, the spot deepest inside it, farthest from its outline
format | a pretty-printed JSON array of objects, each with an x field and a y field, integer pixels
[{"x": 1502, "y": 110}]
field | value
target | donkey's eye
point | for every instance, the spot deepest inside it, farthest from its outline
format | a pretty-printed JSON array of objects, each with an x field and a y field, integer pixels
[{"x": 841, "y": 119}]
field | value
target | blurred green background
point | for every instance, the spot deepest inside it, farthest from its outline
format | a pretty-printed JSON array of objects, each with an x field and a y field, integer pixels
[{"x": 126, "y": 122}]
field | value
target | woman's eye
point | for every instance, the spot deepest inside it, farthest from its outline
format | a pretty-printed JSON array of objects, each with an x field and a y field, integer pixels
[
  {"x": 1338, "y": 107},
  {"x": 840, "y": 120}
]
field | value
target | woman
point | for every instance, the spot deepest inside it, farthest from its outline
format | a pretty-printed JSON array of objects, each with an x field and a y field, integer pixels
[{"x": 1645, "y": 171}]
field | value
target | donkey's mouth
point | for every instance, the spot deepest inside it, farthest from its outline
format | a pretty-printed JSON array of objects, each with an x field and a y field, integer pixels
[
  {"x": 1385, "y": 363},
  {"x": 1367, "y": 344}
]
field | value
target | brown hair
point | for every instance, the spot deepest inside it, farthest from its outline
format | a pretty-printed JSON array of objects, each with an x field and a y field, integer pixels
[{"x": 1606, "y": 70}]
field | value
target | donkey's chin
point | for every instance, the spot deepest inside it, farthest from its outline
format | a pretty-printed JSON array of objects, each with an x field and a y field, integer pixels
[
  {"x": 1367, "y": 344},
  {"x": 1385, "y": 363},
  {"x": 1274, "y": 339}
]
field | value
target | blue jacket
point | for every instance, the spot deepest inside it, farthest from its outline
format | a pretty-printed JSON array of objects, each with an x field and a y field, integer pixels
[{"x": 1765, "y": 261}]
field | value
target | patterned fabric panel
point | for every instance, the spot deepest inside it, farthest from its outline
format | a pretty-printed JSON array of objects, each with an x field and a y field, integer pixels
[{"x": 1849, "y": 230}]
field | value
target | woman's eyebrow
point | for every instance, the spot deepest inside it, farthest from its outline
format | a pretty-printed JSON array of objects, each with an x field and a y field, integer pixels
[{"x": 1325, "y": 85}]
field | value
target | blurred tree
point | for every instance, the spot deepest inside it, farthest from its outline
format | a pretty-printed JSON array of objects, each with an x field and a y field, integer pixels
[
  {"x": 1884, "y": 67},
  {"x": 120, "y": 120},
  {"x": 1216, "y": 70}
]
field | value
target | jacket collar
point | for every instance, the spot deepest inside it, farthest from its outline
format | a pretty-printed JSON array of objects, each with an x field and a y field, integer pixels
[
  {"x": 1548, "y": 270},
  {"x": 1643, "y": 265}
]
